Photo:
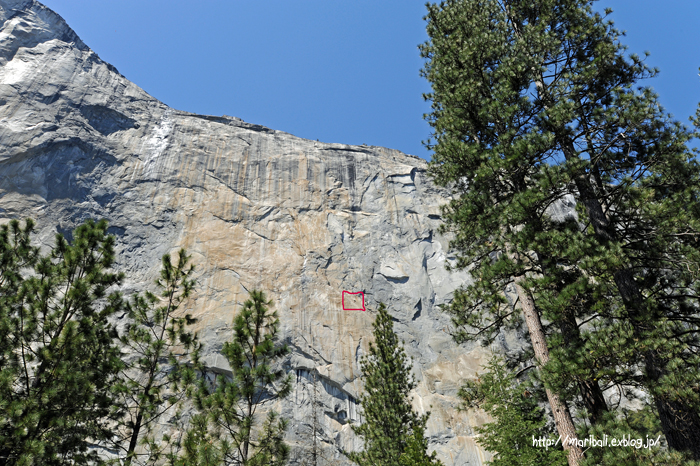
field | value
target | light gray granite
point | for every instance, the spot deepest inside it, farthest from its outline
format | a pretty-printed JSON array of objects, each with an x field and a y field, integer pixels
[{"x": 255, "y": 207}]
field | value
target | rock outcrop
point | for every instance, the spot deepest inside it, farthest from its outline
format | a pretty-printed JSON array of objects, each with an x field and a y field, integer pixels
[{"x": 256, "y": 208}]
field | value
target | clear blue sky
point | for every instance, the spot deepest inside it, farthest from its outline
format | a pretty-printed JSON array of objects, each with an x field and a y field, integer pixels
[{"x": 335, "y": 71}]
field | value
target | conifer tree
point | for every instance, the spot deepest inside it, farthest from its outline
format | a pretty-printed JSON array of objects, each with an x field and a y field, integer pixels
[
  {"x": 309, "y": 450},
  {"x": 231, "y": 407},
  {"x": 315, "y": 427},
  {"x": 60, "y": 357},
  {"x": 535, "y": 103},
  {"x": 314, "y": 456},
  {"x": 518, "y": 420},
  {"x": 641, "y": 426},
  {"x": 415, "y": 452},
  {"x": 199, "y": 447},
  {"x": 391, "y": 430},
  {"x": 155, "y": 340},
  {"x": 17, "y": 256}
]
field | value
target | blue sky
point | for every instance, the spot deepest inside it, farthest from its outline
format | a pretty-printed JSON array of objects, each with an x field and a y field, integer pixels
[{"x": 335, "y": 71}]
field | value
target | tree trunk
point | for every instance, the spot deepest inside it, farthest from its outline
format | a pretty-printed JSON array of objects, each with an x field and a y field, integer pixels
[
  {"x": 314, "y": 451},
  {"x": 133, "y": 441},
  {"x": 679, "y": 421},
  {"x": 589, "y": 389},
  {"x": 560, "y": 411}
]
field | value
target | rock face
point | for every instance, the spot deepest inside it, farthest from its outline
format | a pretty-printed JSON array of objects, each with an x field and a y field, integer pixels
[{"x": 256, "y": 208}]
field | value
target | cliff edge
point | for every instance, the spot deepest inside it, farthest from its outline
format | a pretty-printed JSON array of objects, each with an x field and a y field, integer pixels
[{"x": 256, "y": 208}]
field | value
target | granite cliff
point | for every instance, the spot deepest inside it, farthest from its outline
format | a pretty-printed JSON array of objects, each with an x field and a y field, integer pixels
[{"x": 256, "y": 208}]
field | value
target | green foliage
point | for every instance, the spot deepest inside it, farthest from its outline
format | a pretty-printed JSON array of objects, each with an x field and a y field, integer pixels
[
  {"x": 642, "y": 425},
  {"x": 416, "y": 447},
  {"x": 535, "y": 103},
  {"x": 59, "y": 355},
  {"x": 157, "y": 343},
  {"x": 17, "y": 256},
  {"x": 199, "y": 448},
  {"x": 231, "y": 406},
  {"x": 517, "y": 418},
  {"x": 390, "y": 428}
]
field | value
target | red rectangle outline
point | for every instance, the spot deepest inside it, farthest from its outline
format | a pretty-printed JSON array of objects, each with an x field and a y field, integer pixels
[{"x": 363, "y": 300}]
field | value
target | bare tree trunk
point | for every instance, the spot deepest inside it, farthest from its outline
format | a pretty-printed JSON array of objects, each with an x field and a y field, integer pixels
[
  {"x": 679, "y": 421},
  {"x": 133, "y": 441},
  {"x": 314, "y": 448},
  {"x": 560, "y": 411}
]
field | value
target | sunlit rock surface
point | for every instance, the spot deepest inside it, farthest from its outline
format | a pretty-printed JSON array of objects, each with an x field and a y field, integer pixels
[{"x": 255, "y": 207}]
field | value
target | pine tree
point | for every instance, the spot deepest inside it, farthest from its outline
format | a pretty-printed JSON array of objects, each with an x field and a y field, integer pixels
[
  {"x": 391, "y": 429},
  {"x": 60, "y": 357},
  {"x": 415, "y": 452},
  {"x": 315, "y": 455},
  {"x": 199, "y": 447},
  {"x": 231, "y": 407},
  {"x": 640, "y": 424},
  {"x": 17, "y": 256},
  {"x": 534, "y": 103},
  {"x": 315, "y": 427},
  {"x": 518, "y": 420},
  {"x": 309, "y": 450},
  {"x": 156, "y": 340}
]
